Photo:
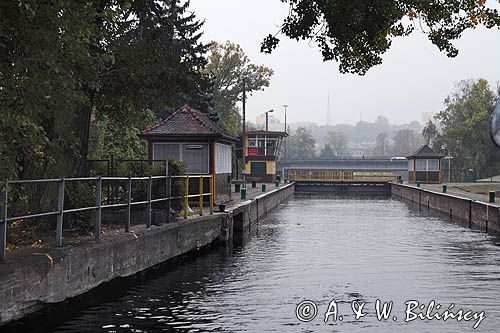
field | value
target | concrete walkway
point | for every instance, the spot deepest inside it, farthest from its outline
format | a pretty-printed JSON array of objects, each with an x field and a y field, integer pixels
[
  {"x": 474, "y": 191},
  {"x": 251, "y": 193}
]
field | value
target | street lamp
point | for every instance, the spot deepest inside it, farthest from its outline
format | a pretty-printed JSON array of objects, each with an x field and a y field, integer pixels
[
  {"x": 267, "y": 118},
  {"x": 495, "y": 125},
  {"x": 285, "y": 107}
]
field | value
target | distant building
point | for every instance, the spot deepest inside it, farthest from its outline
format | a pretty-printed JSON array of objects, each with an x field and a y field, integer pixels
[{"x": 273, "y": 122}]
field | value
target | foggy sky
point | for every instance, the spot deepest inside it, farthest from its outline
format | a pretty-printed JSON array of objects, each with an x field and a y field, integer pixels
[{"x": 413, "y": 78}]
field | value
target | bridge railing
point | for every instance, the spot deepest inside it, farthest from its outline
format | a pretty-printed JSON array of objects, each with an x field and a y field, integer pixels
[
  {"x": 340, "y": 176},
  {"x": 59, "y": 212}
]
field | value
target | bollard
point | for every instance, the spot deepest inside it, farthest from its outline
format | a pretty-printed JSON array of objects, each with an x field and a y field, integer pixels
[
  {"x": 277, "y": 183},
  {"x": 445, "y": 187},
  {"x": 418, "y": 183},
  {"x": 263, "y": 187},
  {"x": 492, "y": 197},
  {"x": 401, "y": 181},
  {"x": 243, "y": 193}
]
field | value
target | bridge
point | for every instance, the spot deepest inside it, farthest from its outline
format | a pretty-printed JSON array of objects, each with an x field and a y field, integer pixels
[{"x": 344, "y": 174}]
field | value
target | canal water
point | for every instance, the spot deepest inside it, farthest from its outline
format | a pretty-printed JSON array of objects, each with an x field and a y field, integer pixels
[{"x": 332, "y": 252}]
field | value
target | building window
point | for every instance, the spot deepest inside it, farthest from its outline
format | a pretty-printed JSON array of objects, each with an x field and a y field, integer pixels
[
  {"x": 163, "y": 151},
  {"x": 196, "y": 158},
  {"x": 194, "y": 155},
  {"x": 421, "y": 165},
  {"x": 223, "y": 158},
  {"x": 433, "y": 165},
  {"x": 410, "y": 165}
]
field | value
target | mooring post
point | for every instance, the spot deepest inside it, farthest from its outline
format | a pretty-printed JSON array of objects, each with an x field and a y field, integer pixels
[
  {"x": 60, "y": 209},
  {"x": 98, "y": 203},
  {"x": 3, "y": 228},
  {"x": 129, "y": 204}
]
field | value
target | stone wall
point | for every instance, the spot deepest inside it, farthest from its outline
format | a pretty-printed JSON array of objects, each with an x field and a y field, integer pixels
[
  {"x": 479, "y": 214},
  {"x": 28, "y": 280}
]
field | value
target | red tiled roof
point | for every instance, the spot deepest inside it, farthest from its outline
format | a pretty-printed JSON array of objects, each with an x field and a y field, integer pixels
[{"x": 187, "y": 122}]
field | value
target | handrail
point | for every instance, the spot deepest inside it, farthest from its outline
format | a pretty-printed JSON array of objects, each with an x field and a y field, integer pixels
[{"x": 62, "y": 188}]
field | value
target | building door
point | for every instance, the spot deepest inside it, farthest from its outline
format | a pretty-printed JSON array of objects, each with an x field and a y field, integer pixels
[{"x": 258, "y": 168}]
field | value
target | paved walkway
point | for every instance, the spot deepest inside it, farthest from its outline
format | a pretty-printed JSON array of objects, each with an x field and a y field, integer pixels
[
  {"x": 474, "y": 191},
  {"x": 251, "y": 193}
]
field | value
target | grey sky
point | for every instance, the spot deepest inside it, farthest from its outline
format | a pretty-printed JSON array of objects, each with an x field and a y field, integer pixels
[{"x": 414, "y": 77}]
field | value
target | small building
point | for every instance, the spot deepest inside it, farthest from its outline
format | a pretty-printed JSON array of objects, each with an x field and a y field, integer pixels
[
  {"x": 261, "y": 149},
  {"x": 190, "y": 136},
  {"x": 425, "y": 166}
]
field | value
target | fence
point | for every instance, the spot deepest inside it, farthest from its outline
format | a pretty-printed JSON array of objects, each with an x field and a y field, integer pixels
[{"x": 60, "y": 211}]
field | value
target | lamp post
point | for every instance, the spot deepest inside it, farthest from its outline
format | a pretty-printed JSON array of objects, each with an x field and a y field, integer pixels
[
  {"x": 495, "y": 125},
  {"x": 267, "y": 119},
  {"x": 285, "y": 107}
]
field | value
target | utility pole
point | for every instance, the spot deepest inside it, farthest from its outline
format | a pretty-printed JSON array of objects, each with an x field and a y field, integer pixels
[
  {"x": 244, "y": 166},
  {"x": 285, "y": 106}
]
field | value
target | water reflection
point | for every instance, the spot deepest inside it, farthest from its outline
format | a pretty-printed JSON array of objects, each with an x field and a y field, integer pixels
[{"x": 319, "y": 250}]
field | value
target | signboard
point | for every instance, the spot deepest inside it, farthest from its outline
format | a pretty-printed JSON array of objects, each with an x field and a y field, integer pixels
[{"x": 253, "y": 152}]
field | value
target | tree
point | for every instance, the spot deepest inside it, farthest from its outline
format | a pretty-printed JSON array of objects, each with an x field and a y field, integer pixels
[
  {"x": 406, "y": 141},
  {"x": 430, "y": 133},
  {"x": 381, "y": 147},
  {"x": 227, "y": 66},
  {"x": 302, "y": 144},
  {"x": 63, "y": 63},
  {"x": 338, "y": 142},
  {"x": 326, "y": 151},
  {"x": 465, "y": 128},
  {"x": 357, "y": 33}
]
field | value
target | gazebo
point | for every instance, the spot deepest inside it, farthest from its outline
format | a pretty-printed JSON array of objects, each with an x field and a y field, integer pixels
[
  {"x": 425, "y": 166},
  {"x": 190, "y": 136}
]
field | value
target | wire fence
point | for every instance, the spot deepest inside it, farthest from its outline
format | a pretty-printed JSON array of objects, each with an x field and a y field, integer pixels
[{"x": 170, "y": 192}]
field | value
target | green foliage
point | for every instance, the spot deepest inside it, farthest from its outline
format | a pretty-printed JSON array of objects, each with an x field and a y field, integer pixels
[
  {"x": 357, "y": 33},
  {"x": 63, "y": 62},
  {"x": 227, "y": 66},
  {"x": 465, "y": 128},
  {"x": 406, "y": 142},
  {"x": 301, "y": 145}
]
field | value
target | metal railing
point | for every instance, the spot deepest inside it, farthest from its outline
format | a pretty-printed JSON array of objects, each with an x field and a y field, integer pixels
[
  {"x": 60, "y": 211},
  {"x": 340, "y": 176}
]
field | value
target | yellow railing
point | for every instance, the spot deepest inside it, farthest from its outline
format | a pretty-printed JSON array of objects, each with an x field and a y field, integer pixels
[
  {"x": 341, "y": 176},
  {"x": 200, "y": 195}
]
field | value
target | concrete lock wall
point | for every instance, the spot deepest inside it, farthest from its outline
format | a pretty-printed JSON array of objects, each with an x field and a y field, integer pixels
[
  {"x": 479, "y": 214},
  {"x": 249, "y": 212},
  {"x": 30, "y": 280}
]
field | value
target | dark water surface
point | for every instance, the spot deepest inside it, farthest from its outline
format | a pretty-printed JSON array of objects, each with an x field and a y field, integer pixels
[{"x": 318, "y": 250}]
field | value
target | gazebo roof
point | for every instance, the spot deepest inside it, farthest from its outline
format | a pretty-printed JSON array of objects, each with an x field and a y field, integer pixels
[
  {"x": 187, "y": 122},
  {"x": 424, "y": 151}
]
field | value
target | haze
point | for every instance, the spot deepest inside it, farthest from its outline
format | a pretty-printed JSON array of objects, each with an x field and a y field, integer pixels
[{"x": 414, "y": 77}]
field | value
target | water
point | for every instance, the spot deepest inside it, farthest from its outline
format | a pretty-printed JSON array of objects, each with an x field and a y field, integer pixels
[{"x": 319, "y": 250}]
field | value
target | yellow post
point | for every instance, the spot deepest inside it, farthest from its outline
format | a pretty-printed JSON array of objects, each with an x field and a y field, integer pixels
[
  {"x": 186, "y": 197},
  {"x": 211, "y": 194},
  {"x": 200, "y": 202}
]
